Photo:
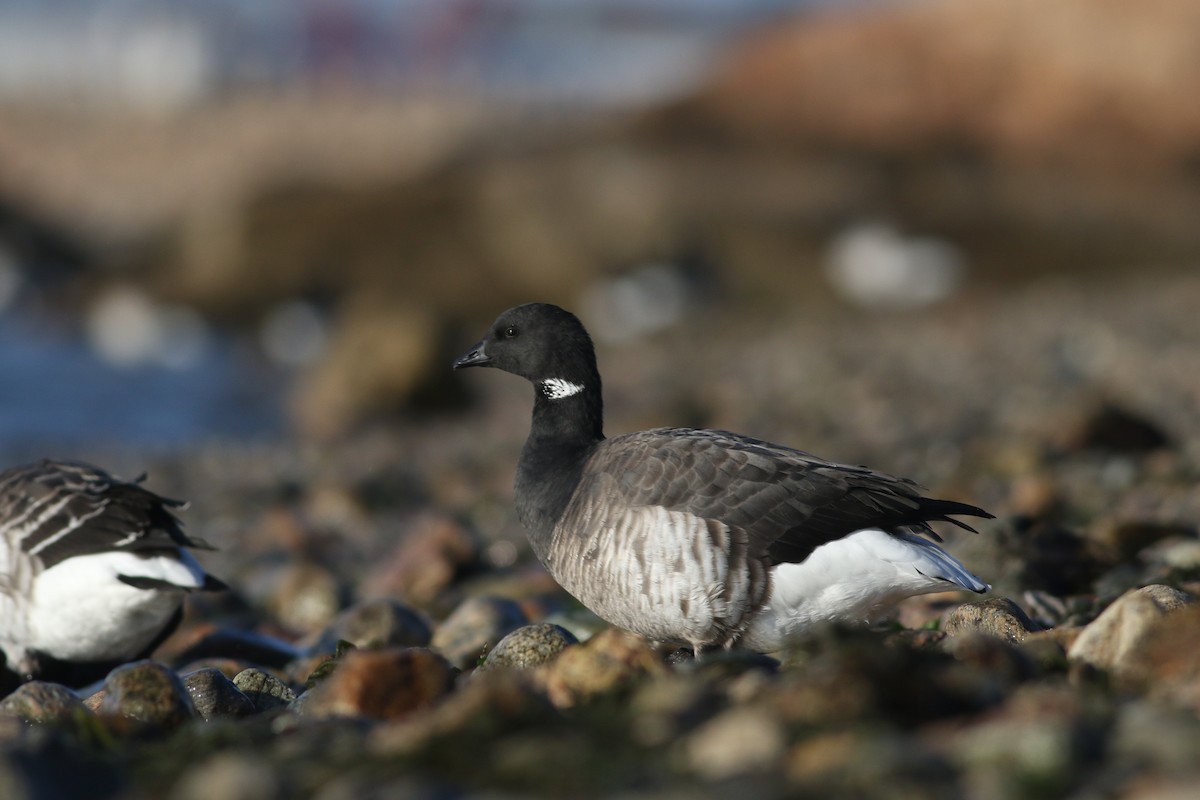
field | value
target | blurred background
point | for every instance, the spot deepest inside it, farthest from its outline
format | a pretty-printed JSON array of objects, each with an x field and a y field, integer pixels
[
  {"x": 247, "y": 223},
  {"x": 240, "y": 244},
  {"x": 957, "y": 240}
]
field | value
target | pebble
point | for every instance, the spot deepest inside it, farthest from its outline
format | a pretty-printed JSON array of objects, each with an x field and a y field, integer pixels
[
  {"x": 42, "y": 704},
  {"x": 476, "y": 626},
  {"x": 529, "y": 646},
  {"x": 1148, "y": 732},
  {"x": 736, "y": 742},
  {"x": 1001, "y": 756},
  {"x": 609, "y": 661},
  {"x": 228, "y": 776},
  {"x": 265, "y": 691},
  {"x": 305, "y": 596},
  {"x": 1115, "y": 641},
  {"x": 999, "y": 617},
  {"x": 1177, "y": 552},
  {"x": 1170, "y": 668},
  {"x": 1125, "y": 539},
  {"x": 1111, "y": 428},
  {"x": 494, "y": 704},
  {"x": 215, "y": 695},
  {"x": 383, "y": 684},
  {"x": 665, "y": 708},
  {"x": 433, "y": 549},
  {"x": 145, "y": 697},
  {"x": 999, "y": 659},
  {"x": 381, "y": 622}
]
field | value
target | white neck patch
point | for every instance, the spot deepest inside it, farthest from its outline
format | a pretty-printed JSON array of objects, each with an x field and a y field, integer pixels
[{"x": 557, "y": 388}]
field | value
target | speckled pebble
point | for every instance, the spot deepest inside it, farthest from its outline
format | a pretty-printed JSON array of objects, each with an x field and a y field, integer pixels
[
  {"x": 475, "y": 627},
  {"x": 145, "y": 696},
  {"x": 999, "y": 617},
  {"x": 42, "y": 703},
  {"x": 529, "y": 646},
  {"x": 264, "y": 690},
  {"x": 215, "y": 696}
]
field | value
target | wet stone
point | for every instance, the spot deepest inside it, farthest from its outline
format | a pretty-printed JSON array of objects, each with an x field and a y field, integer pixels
[
  {"x": 265, "y": 691},
  {"x": 42, "y": 703},
  {"x": 145, "y": 696},
  {"x": 215, "y": 696},
  {"x": 529, "y": 646},
  {"x": 475, "y": 627},
  {"x": 999, "y": 617},
  {"x": 381, "y": 684}
]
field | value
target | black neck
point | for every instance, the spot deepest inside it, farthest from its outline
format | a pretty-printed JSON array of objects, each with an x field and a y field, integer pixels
[{"x": 561, "y": 436}]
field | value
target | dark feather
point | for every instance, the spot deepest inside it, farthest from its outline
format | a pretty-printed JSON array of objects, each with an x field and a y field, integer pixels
[
  {"x": 61, "y": 509},
  {"x": 789, "y": 502}
]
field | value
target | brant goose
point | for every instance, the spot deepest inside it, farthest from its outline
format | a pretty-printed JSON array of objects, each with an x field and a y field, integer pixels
[
  {"x": 92, "y": 571},
  {"x": 703, "y": 537}
]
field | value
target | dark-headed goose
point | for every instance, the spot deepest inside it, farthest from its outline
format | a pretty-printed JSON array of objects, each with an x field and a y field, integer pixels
[
  {"x": 93, "y": 571},
  {"x": 703, "y": 537}
]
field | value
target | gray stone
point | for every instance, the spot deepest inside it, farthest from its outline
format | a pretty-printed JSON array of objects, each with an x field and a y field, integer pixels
[
  {"x": 215, "y": 696},
  {"x": 529, "y": 646},
  {"x": 265, "y": 691},
  {"x": 474, "y": 627}
]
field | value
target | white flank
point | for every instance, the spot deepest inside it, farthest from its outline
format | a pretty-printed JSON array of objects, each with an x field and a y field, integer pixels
[
  {"x": 557, "y": 388},
  {"x": 853, "y": 580},
  {"x": 82, "y": 611}
]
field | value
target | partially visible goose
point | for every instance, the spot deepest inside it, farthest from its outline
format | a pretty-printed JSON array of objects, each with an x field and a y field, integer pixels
[
  {"x": 93, "y": 571},
  {"x": 703, "y": 537}
]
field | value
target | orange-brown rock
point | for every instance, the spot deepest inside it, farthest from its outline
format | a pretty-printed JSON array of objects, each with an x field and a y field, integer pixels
[
  {"x": 382, "y": 684},
  {"x": 1091, "y": 81}
]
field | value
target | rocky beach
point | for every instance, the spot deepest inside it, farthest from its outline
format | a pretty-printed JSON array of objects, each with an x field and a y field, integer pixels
[{"x": 930, "y": 289}]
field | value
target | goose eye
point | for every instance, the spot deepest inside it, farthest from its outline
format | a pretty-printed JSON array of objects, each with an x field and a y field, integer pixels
[{"x": 510, "y": 332}]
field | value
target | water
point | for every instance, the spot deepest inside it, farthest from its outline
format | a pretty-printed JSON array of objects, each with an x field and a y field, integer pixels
[{"x": 58, "y": 395}]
